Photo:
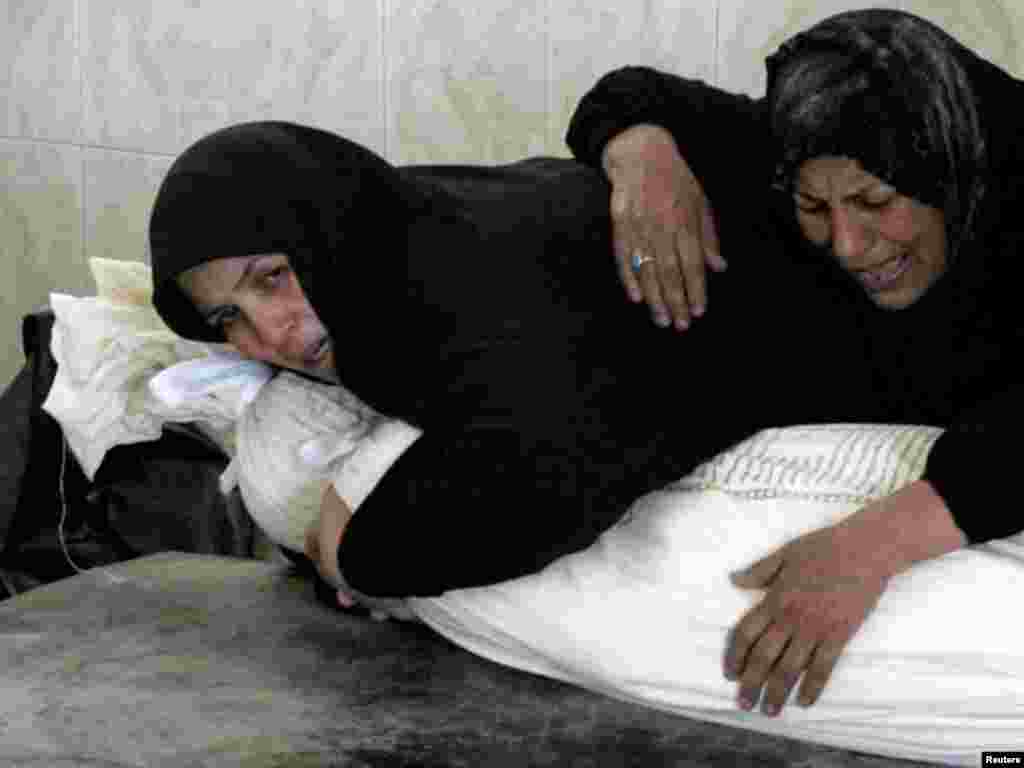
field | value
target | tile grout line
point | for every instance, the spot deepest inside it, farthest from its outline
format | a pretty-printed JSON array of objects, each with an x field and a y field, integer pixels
[
  {"x": 83, "y": 253},
  {"x": 385, "y": 76},
  {"x": 83, "y": 145},
  {"x": 553, "y": 145},
  {"x": 716, "y": 44}
]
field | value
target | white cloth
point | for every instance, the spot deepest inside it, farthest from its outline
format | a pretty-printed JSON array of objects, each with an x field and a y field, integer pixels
[
  {"x": 936, "y": 673},
  {"x": 109, "y": 348},
  {"x": 296, "y": 436}
]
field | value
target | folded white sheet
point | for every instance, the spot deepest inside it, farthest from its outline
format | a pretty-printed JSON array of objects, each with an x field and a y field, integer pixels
[
  {"x": 936, "y": 673},
  {"x": 117, "y": 379}
]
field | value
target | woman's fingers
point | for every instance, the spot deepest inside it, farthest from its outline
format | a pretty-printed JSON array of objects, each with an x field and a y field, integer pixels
[
  {"x": 742, "y": 638},
  {"x": 709, "y": 237},
  {"x": 662, "y": 225},
  {"x": 636, "y": 255},
  {"x": 759, "y": 575},
  {"x": 312, "y": 550},
  {"x": 623, "y": 242},
  {"x": 820, "y": 670},
  {"x": 759, "y": 663},
  {"x": 650, "y": 284},
  {"x": 690, "y": 274},
  {"x": 323, "y": 537},
  {"x": 820, "y": 587},
  {"x": 785, "y": 674}
]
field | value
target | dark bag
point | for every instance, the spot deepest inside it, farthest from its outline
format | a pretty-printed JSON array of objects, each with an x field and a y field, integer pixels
[{"x": 146, "y": 497}]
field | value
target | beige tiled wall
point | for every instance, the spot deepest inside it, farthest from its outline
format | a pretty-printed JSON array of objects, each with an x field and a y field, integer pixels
[
  {"x": 750, "y": 30},
  {"x": 97, "y": 96}
]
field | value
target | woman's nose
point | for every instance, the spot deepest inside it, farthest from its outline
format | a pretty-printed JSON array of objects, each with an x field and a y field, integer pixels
[{"x": 850, "y": 235}]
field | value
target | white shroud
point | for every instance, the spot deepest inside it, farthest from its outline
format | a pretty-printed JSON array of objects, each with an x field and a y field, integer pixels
[{"x": 936, "y": 673}]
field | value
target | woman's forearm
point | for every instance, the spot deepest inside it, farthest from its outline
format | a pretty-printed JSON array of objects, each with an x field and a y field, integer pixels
[{"x": 909, "y": 526}]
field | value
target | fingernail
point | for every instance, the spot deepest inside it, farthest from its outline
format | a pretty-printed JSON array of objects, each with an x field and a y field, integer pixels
[
  {"x": 682, "y": 325},
  {"x": 770, "y": 709},
  {"x": 746, "y": 703},
  {"x": 698, "y": 310}
]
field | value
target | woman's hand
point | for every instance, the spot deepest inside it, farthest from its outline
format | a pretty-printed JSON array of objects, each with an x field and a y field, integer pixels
[
  {"x": 818, "y": 593},
  {"x": 323, "y": 539},
  {"x": 820, "y": 588},
  {"x": 663, "y": 226}
]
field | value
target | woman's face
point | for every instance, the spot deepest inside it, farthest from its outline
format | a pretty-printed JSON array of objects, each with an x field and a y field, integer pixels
[
  {"x": 892, "y": 245},
  {"x": 261, "y": 308}
]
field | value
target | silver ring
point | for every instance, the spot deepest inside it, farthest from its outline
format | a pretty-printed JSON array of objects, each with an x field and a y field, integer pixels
[{"x": 639, "y": 259}]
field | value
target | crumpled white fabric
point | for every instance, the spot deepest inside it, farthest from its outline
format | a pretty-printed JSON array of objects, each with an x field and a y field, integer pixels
[
  {"x": 296, "y": 436},
  {"x": 111, "y": 346},
  {"x": 935, "y": 674}
]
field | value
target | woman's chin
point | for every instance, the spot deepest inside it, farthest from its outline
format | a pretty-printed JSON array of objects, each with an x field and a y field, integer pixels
[
  {"x": 892, "y": 301},
  {"x": 898, "y": 298}
]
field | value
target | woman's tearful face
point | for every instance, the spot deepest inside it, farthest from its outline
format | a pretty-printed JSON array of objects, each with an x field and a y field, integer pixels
[
  {"x": 262, "y": 310},
  {"x": 891, "y": 244}
]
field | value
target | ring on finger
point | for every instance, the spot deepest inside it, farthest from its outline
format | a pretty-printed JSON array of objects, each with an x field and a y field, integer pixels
[{"x": 639, "y": 259}]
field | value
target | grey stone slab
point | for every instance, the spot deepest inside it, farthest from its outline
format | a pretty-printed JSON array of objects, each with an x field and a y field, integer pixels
[{"x": 197, "y": 661}]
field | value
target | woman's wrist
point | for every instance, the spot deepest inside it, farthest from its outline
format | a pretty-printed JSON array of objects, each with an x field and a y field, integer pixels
[
  {"x": 907, "y": 527},
  {"x": 642, "y": 142}
]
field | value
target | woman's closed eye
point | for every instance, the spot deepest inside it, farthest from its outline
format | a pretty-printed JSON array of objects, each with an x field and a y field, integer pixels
[
  {"x": 809, "y": 205},
  {"x": 874, "y": 202},
  {"x": 222, "y": 317},
  {"x": 274, "y": 278},
  {"x": 869, "y": 203}
]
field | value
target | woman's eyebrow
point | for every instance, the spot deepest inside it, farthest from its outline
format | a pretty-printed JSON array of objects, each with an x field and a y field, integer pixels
[{"x": 859, "y": 191}]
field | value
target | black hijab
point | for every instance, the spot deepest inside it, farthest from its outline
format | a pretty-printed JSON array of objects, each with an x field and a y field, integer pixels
[
  {"x": 337, "y": 210},
  {"x": 342, "y": 215},
  {"x": 924, "y": 113}
]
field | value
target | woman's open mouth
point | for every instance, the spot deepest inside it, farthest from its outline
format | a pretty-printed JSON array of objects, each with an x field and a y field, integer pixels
[{"x": 886, "y": 275}]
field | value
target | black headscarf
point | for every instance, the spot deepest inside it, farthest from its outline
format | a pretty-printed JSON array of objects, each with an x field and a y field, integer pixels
[
  {"x": 924, "y": 113},
  {"x": 337, "y": 210},
  {"x": 901, "y": 96}
]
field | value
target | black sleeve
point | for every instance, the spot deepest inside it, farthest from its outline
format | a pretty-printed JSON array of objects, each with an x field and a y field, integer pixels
[
  {"x": 474, "y": 508},
  {"x": 973, "y": 465},
  {"x": 724, "y": 137}
]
